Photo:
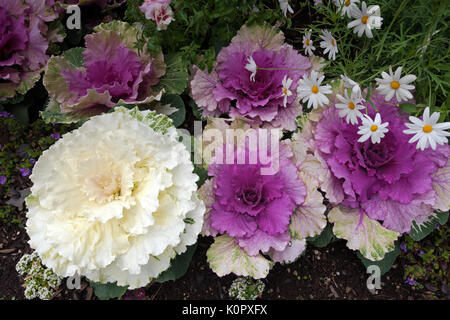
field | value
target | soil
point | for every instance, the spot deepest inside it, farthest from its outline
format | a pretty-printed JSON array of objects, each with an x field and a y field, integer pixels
[{"x": 333, "y": 272}]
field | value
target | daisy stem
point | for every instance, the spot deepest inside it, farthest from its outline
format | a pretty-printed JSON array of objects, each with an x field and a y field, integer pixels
[
  {"x": 399, "y": 9},
  {"x": 295, "y": 14},
  {"x": 377, "y": 55}
]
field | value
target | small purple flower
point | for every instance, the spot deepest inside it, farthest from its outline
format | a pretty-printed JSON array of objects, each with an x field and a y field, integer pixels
[
  {"x": 138, "y": 294},
  {"x": 410, "y": 281},
  {"x": 403, "y": 247},
  {"x": 3, "y": 179},
  {"x": 5, "y": 114},
  {"x": 421, "y": 252},
  {"x": 32, "y": 161},
  {"x": 24, "y": 172},
  {"x": 55, "y": 136}
]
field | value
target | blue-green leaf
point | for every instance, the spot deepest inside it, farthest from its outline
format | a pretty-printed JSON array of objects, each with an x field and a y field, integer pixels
[
  {"x": 418, "y": 232},
  {"x": 178, "y": 266},
  {"x": 175, "y": 102},
  {"x": 385, "y": 264},
  {"x": 106, "y": 291},
  {"x": 323, "y": 239}
]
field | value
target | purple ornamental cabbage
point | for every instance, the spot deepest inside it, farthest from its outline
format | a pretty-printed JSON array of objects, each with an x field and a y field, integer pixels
[
  {"x": 391, "y": 181},
  {"x": 252, "y": 212},
  {"x": 255, "y": 208},
  {"x": 229, "y": 88},
  {"x": 110, "y": 71},
  {"x": 24, "y": 40}
]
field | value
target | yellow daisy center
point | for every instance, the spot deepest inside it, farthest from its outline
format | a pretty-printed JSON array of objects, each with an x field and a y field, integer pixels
[
  {"x": 364, "y": 19},
  {"x": 307, "y": 42},
  {"x": 284, "y": 91},
  {"x": 427, "y": 128},
  {"x": 395, "y": 85},
  {"x": 315, "y": 89},
  {"x": 332, "y": 42},
  {"x": 347, "y": 3},
  {"x": 374, "y": 128},
  {"x": 351, "y": 105}
]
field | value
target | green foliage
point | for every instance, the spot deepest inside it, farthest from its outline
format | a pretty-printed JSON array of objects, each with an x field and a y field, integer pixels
[
  {"x": 75, "y": 56},
  {"x": 202, "y": 27},
  {"x": 202, "y": 175},
  {"x": 323, "y": 239},
  {"x": 418, "y": 232},
  {"x": 178, "y": 266},
  {"x": 20, "y": 147},
  {"x": 196, "y": 110},
  {"x": 106, "y": 291},
  {"x": 408, "y": 108},
  {"x": 53, "y": 114},
  {"x": 427, "y": 262},
  {"x": 414, "y": 35},
  {"x": 176, "y": 77},
  {"x": 175, "y": 102},
  {"x": 385, "y": 264}
]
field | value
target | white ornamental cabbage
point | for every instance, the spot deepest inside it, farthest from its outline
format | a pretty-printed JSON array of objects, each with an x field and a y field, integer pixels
[{"x": 114, "y": 200}]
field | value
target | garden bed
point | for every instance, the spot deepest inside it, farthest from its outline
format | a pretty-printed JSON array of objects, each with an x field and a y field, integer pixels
[
  {"x": 176, "y": 56},
  {"x": 333, "y": 272},
  {"x": 323, "y": 273}
]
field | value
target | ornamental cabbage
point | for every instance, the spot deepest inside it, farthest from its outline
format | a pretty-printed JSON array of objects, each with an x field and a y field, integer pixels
[
  {"x": 232, "y": 89},
  {"x": 24, "y": 40},
  {"x": 110, "y": 71},
  {"x": 382, "y": 189},
  {"x": 252, "y": 212},
  {"x": 114, "y": 200}
]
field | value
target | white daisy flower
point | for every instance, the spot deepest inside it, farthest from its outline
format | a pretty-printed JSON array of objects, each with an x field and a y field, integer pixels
[
  {"x": 392, "y": 84},
  {"x": 366, "y": 19},
  {"x": 372, "y": 129},
  {"x": 427, "y": 131},
  {"x": 349, "y": 108},
  {"x": 350, "y": 84},
  {"x": 329, "y": 44},
  {"x": 346, "y": 6},
  {"x": 252, "y": 67},
  {"x": 310, "y": 90},
  {"x": 308, "y": 44},
  {"x": 285, "y": 7},
  {"x": 285, "y": 91}
]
